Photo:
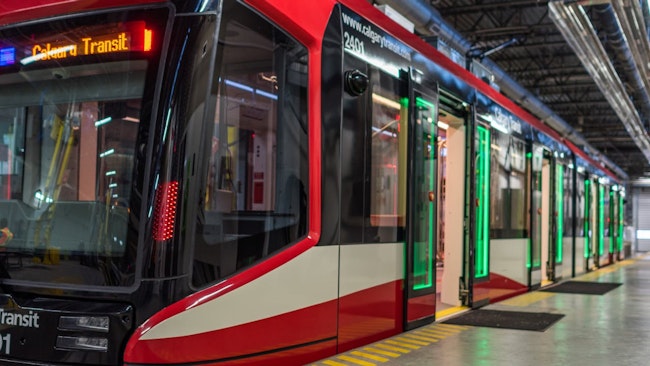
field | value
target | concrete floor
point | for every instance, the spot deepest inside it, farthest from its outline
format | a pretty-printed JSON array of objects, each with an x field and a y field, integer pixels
[{"x": 610, "y": 329}]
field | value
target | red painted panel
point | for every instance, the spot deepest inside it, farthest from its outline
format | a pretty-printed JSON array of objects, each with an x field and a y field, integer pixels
[
  {"x": 370, "y": 315},
  {"x": 498, "y": 288},
  {"x": 305, "y": 20},
  {"x": 421, "y": 307},
  {"x": 14, "y": 11},
  {"x": 297, "y": 356},
  {"x": 307, "y": 27},
  {"x": 313, "y": 324}
]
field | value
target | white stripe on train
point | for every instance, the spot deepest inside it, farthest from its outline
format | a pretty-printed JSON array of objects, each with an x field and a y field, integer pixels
[{"x": 309, "y": 279}]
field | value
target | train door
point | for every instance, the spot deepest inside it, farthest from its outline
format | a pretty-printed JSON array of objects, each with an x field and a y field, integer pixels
[
  {"x": 591, "y": 217},
  {"x": 620, "y": 226},
  {"x": 452, "y": 281},
  {"x": 588, "y": 224},
  {"x": 556, "y": 244},
  {"x": 541, "y": 193},
  {"x": 373, "y": 204},
  {"x": 478, "y": 236},
  {"x": 388, "y": 186},
  {"x": 420, "y": 246},
  {"x": 562, "y": 235},
  {"x": 604, "y": 219},
  {"x": 581, "y": 222},
  {"x": 616, "y": 227},
  {"x": 612, "y": 223}
]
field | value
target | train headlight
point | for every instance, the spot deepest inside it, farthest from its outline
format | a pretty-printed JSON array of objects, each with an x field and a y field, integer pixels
[
  {"x": 82, "y": 343},
  {"x": 90, "y": 323}
]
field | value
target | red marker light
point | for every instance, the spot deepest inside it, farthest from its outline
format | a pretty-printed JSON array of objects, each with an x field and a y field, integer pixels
[{"x": 165, "y": 211}]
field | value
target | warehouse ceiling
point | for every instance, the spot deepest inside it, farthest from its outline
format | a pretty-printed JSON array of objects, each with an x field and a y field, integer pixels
[{"x": 524, "y": 40}]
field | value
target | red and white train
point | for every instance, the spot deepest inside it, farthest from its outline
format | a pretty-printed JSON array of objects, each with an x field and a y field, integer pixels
[{"x": 265, "y": 182}]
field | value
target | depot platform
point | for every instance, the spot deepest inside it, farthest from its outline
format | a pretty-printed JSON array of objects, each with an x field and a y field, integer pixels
[{"x": 607, "y": 329}]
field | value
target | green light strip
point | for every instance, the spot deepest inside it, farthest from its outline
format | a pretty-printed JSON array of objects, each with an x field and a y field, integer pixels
[
  {"x": 423, "y": 261},
  {"x": 612, "y": 220},
  {"x": 419, "y": 102},
  {"x": 621, "y": 224},
  {"x": 528, "y": 254},
  {"x": 587, "y": 217},
  {"x": 559, "y": 207},
  {"x": 537, "y": 253},
  {"x": 601, "y": 219},
  {"x": 483, "y": 199}
]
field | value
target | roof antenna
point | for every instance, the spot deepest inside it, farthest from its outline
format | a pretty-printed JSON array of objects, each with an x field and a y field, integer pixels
[{"x": 480, "y": 52}]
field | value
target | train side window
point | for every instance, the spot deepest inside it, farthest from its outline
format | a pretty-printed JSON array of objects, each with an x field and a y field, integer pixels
[
  {"x": 387, "y": 156},
  {"x": 256, "y": 187},
  {"x": 568, "y": 201},
  {"x": 373, "y": 145},
  {"x": 508, "y": 186}
]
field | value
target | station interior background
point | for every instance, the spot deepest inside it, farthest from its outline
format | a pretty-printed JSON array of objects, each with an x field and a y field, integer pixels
[{"x": 579, "y": 66}]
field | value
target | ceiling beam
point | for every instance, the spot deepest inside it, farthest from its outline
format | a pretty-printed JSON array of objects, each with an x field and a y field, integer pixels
[{"x": 471, "y": 9}]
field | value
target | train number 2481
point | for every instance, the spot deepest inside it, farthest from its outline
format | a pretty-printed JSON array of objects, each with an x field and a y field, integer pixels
[{"x": 353, "y": 43}]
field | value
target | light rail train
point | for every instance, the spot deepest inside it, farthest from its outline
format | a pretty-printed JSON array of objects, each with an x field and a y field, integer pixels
[{"x": 266, "y": 182}]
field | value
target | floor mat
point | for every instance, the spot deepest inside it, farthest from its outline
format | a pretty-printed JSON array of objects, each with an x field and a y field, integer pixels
[
  {"x": 507, "y": 319},
  {"x": 583, "y": 287}
]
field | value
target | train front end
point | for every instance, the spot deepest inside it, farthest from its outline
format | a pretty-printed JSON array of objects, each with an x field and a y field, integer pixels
[
  {"x": 76, "y": 98},
  {"x": 157, "y": 169}
]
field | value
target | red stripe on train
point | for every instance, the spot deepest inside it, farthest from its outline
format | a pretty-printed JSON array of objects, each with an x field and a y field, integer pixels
[
  {"x": 365, "y": 316},
  {"x": 312, "y": 324}
]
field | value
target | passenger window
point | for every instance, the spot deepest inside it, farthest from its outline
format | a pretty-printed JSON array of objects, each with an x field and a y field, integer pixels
[
  {"x": 387, "y": 207},
  {"x": 373, "y": 150},
  {"x": 508, "y": 186},
  {"x": 257, "y": 177},
  {"x": 568, "y": 201}
]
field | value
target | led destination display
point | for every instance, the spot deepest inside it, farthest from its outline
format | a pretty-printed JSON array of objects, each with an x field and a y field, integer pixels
[{"x": 125, "y": 37}]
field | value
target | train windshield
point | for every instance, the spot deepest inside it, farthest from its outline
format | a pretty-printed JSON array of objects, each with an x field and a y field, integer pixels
[{"x": 73, "y": 98}]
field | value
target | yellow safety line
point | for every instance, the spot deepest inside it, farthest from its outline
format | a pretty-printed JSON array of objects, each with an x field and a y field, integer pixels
[
  {"x": 438, "y": 335},
  {"x": 354, "y": 360},
  {"x": 447, "y": 312},
  {"x": 447, "y": 328},
  {"x": 430, "y": 334},
  {"x": 421, "y": 338},
  {"x": 402, "y": 344},
  {"x": 333, "y": 363},
  {"x": 443, "y": 332},
  {"x": 370, "y": 356},
  {"x": 392, "y": 348},
  {"x": 382, "y": 352},
  {"x": 413, "y": 341}
]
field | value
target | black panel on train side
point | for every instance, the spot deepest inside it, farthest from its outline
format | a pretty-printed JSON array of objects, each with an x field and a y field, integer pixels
[{"x": 332, "y": 87}]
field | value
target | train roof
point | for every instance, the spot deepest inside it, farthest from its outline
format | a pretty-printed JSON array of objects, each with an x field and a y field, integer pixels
[{"x": 17, "y": 11}]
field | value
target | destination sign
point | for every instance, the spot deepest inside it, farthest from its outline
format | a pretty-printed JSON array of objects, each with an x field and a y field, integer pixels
[{"x": 124, "y": 37}]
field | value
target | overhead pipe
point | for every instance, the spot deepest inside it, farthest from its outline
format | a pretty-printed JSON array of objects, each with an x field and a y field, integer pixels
[
  {"x": 579, "y": 33},
  {"x": 625, "y": 56},
  {"x": 429, "y": 22}
]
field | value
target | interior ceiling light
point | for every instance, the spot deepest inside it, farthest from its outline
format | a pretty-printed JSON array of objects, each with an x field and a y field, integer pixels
[{"x": 579, "y": 33}]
